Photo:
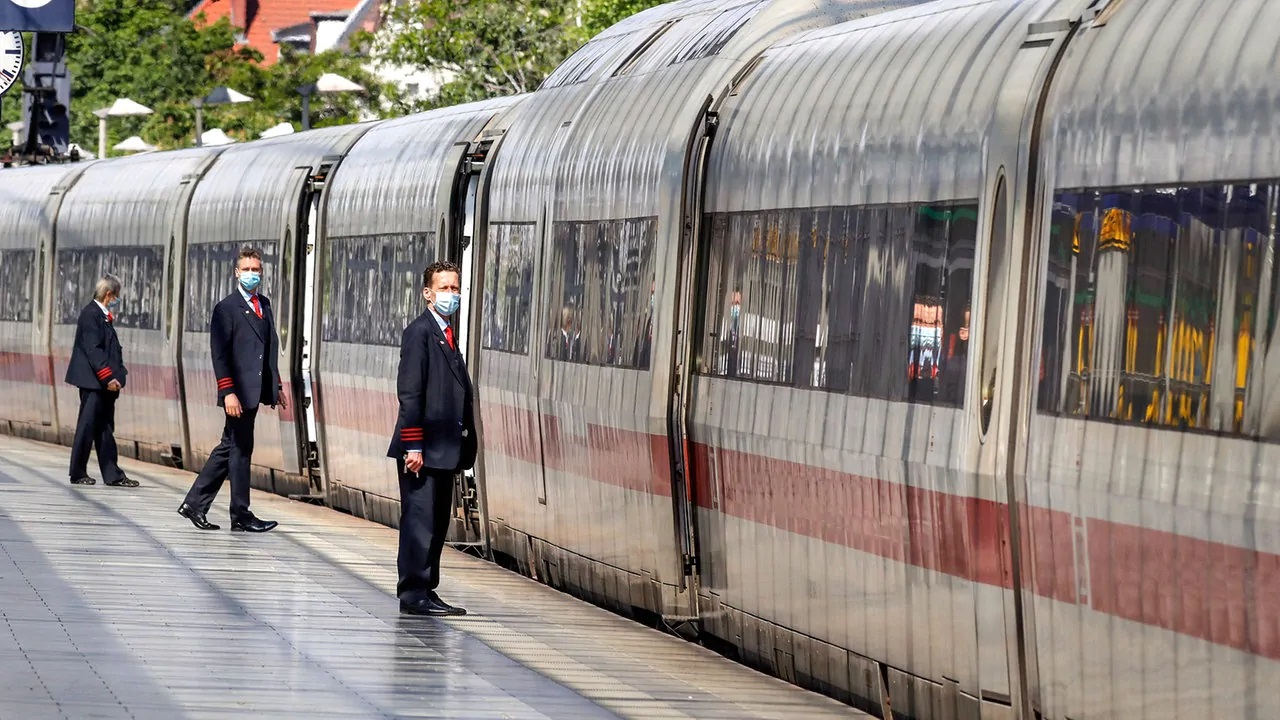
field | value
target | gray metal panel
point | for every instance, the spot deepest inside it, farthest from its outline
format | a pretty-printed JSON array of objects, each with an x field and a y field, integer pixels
[
  {"x": 889, "y": 109},
  {"x": 389, "y": 181},
  {"x": 129, "y": 201},
  {"x": 243, "y": 195},
  {"x": 1169, "y": 92},
  {"x": 24, "y": 200}
]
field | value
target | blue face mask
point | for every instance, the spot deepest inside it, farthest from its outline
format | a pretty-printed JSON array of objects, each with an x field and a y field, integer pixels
[
  {"x": 447, "y": 303},
  {"x": 250, "y": 280},
  {"x": 115, "y": 303}
]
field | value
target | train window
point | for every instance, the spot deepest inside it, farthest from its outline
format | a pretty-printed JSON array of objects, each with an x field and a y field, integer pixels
[
  {"x": 602, "y": 274},
  {"x": 141, "y": 273},
  {"x": 211, "y": 277},
  {"x": 870, "y": 301},
  {"x": 1160, "y": 307},
  {"x": 17, "y": 278},
  {"x": 373, "y": 286},
  {"x": 943, "y": 254},
  {"x": 508, "y": 287}
]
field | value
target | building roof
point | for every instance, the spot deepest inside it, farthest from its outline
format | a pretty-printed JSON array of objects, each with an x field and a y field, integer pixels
[{"x": 260, "y": 19}]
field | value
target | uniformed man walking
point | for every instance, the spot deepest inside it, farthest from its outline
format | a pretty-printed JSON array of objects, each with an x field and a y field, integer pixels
[
  {"x": 244, "y": 344},
  {"x": 435, "y": 437},
  {"x": 97, "y": 368}
]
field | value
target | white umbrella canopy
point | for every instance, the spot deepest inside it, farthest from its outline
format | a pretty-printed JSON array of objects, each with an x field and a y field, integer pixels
[
  {"x": 332, "y": 83},
  {"x": 283, "y": 128},
  {"x": 134, "y": 144},
  {"x": 225, "y": 96},
  {"x": 215, "y": 137},
  {"x": 124, "y": 107}
]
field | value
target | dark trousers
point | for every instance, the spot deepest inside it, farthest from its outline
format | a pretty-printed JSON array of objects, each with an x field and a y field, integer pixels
[
  {"x": 426, "y": 502},
  {"x": 230, "y": 459},
  {"x": 96, "y": 426}
]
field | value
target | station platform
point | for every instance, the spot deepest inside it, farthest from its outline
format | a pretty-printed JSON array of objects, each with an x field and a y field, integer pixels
[{"x": 113, "y": 606}]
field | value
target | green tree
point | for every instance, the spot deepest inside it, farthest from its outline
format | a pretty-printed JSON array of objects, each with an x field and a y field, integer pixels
[
  {"x": 149, "y": 51},
  {"x": 599, "y": 15},
  {"x": 493, "y": 47}
]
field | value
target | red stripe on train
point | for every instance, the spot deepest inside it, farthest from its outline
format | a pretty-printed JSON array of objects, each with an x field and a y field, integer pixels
[
  {"x": 26, "y": 368},
  {"x": 1221, "y": 593},
  {"x": 158, "y": 382}
]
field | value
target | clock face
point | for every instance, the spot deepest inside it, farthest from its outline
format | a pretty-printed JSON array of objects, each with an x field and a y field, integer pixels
[{"x": 11, "y": 52}]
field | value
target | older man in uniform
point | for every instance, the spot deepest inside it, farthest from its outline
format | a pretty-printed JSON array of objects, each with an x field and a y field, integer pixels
[
  {"x": 435, "y": 437},
  {"x": 97, "y": 368},
  {"x": 244, "y": 344}
]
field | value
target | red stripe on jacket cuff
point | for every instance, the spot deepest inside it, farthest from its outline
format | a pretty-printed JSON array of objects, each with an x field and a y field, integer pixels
[{"x": 104, "y": 373}]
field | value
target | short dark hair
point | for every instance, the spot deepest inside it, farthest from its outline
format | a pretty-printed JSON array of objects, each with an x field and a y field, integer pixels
[
  {"x": 248, "y": 252},
  {"x": 438, "y": 267}
]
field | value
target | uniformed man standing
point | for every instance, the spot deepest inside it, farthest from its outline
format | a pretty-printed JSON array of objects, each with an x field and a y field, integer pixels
[
  {"x": 244, "y": 345},
  {"x": 435, "y": 437},
  {"x": 97, "y": 368}
]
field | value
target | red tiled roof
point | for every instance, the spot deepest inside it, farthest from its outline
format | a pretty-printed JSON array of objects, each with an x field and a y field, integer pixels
[{"x": 264, "y": 16}]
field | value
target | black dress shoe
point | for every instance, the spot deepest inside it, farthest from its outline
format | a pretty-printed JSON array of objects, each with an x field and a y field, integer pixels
[
  {"x": 124, "y": 481},
  {"x": 86, "y": 480},
  {"x": 423, "y": 607},
  {"x": 252, "y": 524},
  {"x": 433, "y": 606},
  {"x": 448, "y": 609},
  {"x": 196, "y": 517}
]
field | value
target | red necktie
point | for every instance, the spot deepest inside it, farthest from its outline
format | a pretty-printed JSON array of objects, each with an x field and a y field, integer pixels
[
  {"x": 256, "y": 308},
  {"x": 110, "y": 317},
  {"x": 448, "y": 336}
]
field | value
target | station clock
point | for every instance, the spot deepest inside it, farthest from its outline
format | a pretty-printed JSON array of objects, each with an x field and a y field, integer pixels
[{"x": 12, "y": 51}]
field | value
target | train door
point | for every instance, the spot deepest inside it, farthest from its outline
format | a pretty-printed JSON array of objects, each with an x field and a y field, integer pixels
[
  {"x": 42, "y": 403},
  {"x": 178, "y": 308},
  {"x": 688, "y": 283},
  {"x": 467, "y": 165},
  {"x": 1007, "y": 367},
  {"x": 297, "y": 271}
]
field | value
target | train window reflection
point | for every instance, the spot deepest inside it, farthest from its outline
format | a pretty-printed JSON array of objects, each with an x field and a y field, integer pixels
[
  {"x": 17, "y": 278},
  {"x": 1160, "y": 306},
  {"x": 374, "y": 286},
  {"x": 211, "y": 277},
  {"x": 141, "y": 273},
  {"x": 602, "y": 273},
  {"x": 868, "y": 301},
  {"x": 508, "y": 287}
]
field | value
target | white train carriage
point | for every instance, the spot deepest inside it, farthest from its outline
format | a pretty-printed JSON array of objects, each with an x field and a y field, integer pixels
[
  {"x": 129, "y": 218},
  {"x": 586, "y": 231},
  {"x": 261, "y": 195},
  {"x": 405, "y": 195}
]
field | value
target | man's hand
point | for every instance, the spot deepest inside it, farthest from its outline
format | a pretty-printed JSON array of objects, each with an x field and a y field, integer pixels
[
  {"x": 114, "y": 386},
  {"x": 232, "y": 404},
  {"x": 413, "y": 461}
]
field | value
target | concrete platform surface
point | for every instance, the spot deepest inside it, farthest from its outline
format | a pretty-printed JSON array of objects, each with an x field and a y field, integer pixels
[{"x": 113, "y": 606}]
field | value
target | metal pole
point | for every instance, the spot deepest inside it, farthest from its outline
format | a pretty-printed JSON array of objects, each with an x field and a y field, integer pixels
[
  {"x": 102, "y": 137},
  {"x": 199, "y": 103},
  {"x": 306, "y": 111}
]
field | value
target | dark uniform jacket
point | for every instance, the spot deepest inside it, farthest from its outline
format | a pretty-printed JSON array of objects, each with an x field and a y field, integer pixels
[
  {"x": 436, "y": 412},
  {"x": 96, "y": 358},
  {"x": 245, "y": 349}
]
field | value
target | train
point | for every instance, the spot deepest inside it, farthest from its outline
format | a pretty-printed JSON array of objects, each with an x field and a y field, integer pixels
[{"x": 918, "y": 353}]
